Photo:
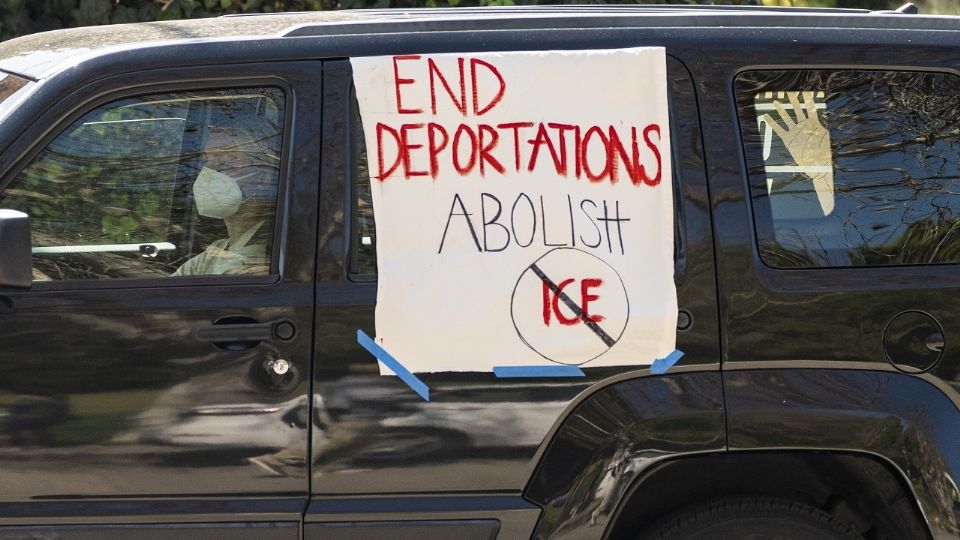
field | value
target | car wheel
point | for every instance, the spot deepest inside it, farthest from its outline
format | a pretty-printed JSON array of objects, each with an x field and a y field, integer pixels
[{"x": 751, "y": 518}]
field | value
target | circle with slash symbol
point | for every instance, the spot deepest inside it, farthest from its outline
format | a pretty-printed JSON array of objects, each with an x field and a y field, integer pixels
[{"x": 569, "y": 306}]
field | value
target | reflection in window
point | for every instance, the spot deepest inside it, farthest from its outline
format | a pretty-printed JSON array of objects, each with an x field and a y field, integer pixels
[
  {"x": 853, "y": 168},
  {"x": 363, "y": 260},
  {"x": 152, "y": 186},
  {"x": 10, "y": 85}
]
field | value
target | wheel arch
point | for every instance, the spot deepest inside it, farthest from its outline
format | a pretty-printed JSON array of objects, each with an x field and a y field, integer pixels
[
  {"x": 611, "y": 437},
  {"x": 864, "y": 490},
  {"x": 909, "y": 421},
  {"x": 881, "y": 430}
]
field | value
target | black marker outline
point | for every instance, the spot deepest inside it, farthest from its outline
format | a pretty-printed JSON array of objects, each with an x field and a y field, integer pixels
[{"x": 578, "y": 311}]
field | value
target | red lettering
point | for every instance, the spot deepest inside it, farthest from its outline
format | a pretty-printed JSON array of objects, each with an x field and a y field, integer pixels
[
  {"x": 544, "y": 138},
  {"x": 578, "y": 151},
  {"x": 586, "y": 298},
  {"x": 638, "y": 179},
  {"x": 656, "y": 152},
  {"x": 617, "y": 149},
  {"x": 477, "y": 110},
  {"x": 561, "y": 318},
  {"x": 398, "y": 81},
  {"x": 606, "y": 152},
  {"x": 546, "y": 303},
  {"x": 406, "y": 147},
  {"x": 515, "y": 126},
  {"x": 464, "y": 170},
  {"x": 476, "y": 146},
  {"x": 432, "y": 130},
  {"x": 486, "y": 147},
  {"x": 384, "y": 172},
  {"x": 551, "y": 302},
  {"x": 436, "y": 74},
  {"x": 561, "y": 134}
]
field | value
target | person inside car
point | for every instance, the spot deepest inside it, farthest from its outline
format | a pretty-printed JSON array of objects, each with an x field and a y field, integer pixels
[{"x": 238, "y": 185}]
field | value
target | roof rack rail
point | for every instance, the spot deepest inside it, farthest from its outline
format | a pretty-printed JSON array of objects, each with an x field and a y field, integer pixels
[
  {"x": 632, "y": 8},
  {"x": 907, "y": 9},
  {"x": 258, "y": 14}
]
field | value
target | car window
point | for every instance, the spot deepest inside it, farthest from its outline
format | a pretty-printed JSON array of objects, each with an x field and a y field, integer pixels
[
  {"x": 853, "y": 168},
  {"x": 363, "y": 238},
  {"x": 174, "y": 184}
]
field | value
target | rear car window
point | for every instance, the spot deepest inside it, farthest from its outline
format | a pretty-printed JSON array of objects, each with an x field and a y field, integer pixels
[{"x": 852, "y": 168}]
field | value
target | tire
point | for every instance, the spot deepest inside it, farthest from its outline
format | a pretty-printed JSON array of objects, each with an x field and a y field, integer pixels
[{"x": 750, "y": 518}]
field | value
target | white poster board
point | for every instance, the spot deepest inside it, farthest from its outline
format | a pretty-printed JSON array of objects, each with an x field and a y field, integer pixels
[{"x": 523, "y": 205}]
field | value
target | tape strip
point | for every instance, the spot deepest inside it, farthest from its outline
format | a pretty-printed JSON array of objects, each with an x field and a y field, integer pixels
[
  {"x": 659, "y": 367},
  {"x": 402, "y": 373},
  {"x": 537, "y": 371}
]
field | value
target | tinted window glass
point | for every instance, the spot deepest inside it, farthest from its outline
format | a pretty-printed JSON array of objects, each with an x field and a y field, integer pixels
[
  {"x": 853, "y": 168},
  {"x": 363, "y": 260},
  {"x": 152, "y": 186}
]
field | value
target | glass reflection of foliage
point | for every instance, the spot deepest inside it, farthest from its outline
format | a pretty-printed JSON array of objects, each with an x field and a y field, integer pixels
[
  {"x": 895, "y": 138},
  {"x": 111, "y": 165},
  {"x": 9, "y": 84},
  {"x": 121, "y": 174}
]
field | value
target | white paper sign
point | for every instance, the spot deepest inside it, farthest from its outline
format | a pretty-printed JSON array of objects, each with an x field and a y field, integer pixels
[{"x": 523, "y": 207}]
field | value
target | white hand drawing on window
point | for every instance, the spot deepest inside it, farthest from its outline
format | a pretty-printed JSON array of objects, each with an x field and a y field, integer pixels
[{"x": 807, "y": 141}]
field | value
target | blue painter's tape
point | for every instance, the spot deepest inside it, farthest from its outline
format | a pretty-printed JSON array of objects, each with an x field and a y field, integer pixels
[
  {"x": 402, "y": 373},
  {"x": 537, "y": 371},
  {"x": 659, "y": 367}
]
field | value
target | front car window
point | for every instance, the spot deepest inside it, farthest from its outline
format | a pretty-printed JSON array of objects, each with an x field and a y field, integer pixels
[
  {"x": 175, "y": 184},
  {"x": 853, "y": 168}
]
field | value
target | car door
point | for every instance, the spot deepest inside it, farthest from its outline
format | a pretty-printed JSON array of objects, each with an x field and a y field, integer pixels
[
  {"x": 837, "y": 229},
  {"x": 471, "y": 449},
  {"x": 160, "y": 361}
]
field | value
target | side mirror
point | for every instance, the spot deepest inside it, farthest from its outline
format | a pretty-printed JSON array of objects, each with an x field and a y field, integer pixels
[{"x": 16, "y": 259}]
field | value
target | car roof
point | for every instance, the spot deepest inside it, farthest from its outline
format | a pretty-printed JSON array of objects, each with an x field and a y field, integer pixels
[{"x": 37, "y": 56}]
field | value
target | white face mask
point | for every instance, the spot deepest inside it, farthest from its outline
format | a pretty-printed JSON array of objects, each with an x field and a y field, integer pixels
[{"x": 217, "y": 195}]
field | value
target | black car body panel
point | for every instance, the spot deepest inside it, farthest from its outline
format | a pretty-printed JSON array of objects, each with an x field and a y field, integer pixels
[
  {"x": 902, "y": 419},
  {"x": 613, "y": 437}
]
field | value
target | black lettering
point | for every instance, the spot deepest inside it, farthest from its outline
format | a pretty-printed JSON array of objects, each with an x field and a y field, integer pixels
[
  {"x": 592, "y": 222},
  {"x": 543, "y": 213},
  {"x": 620, "y": 227},
  {"x": 492, "y": 222},
  {"x": 606, "y": 219},
  {"x": 465, "y": 214},
  {"x": 513, "y": 214}
]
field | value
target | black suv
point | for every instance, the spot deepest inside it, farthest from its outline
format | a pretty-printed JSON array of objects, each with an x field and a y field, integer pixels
[{"x": 190, "y": 261}]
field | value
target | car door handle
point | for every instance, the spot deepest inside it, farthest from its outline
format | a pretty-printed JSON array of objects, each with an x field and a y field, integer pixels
[
  {"x": 220, "y": 333},
  {"x": 240, "y": 333}
]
